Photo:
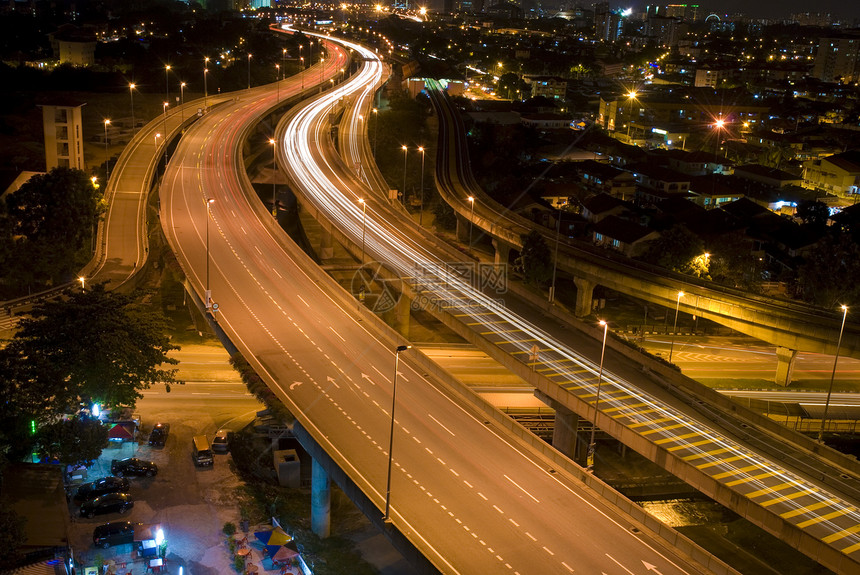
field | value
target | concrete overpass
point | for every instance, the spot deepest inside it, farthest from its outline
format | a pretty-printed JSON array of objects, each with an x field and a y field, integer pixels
[{"x": 790, "y": 326}]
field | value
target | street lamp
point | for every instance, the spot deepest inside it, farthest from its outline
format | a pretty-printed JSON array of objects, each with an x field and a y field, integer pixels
[
  {"x": 421, "y": 212},
  {"x": 375, "y": 128},
  {"x": 675, "y": 325},
  {"x": 274, "y": 177},
  {"x": 208, "y": 293},
  {"x": 167, "y": 82},
  {"x": 302, "y": 60},
  {"x": 405, "y": 155},
  {"x": 249, "y": 70},
  {"x": 205, "y": 83},
  {"x": 555, "y": 258},
  {"x": 164, "y": 126},
  {"x": 832, "y": 374},
  {"x": 630, "y": 97},
  {"x": 322, "y": 67},
  {"x": 387, "y": 518},
  {"x": 182, "y": 101},
  {"x": 82, "y": 279},
  {"x": 363, "y": 224},
  {"x": 718, "y": 126},
  {"x": 107, "y": 157},
  {"x": 471, "y": 214},
  {"x": 133, "y": 126},
  {"x": 278, "y": 80},
  {"x": 591, "y": 445}
]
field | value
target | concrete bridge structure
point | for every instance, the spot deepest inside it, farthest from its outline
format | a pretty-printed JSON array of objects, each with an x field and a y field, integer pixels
[{"x": 789, "y": 326}]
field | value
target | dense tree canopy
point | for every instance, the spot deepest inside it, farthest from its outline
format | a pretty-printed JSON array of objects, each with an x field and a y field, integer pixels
[
  {"x": 72, "y": 441},
  {"x": 677, "y": 249},
  {"x": 95, "y": 346},
  {"x": 535, "y": 261},
  {"x": 828, "y": 275}
]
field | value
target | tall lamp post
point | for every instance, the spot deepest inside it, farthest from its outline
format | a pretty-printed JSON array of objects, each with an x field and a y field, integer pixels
[
  {"x": 832, "y": 374},
  {"x": 421, "y": 211},
  {"x": 274, "y": 177},
  {"x": 405, "y": 156},
  {"x": 133, "y": 124},
  {"x": 302, "y": 60},
  {"x": 387, "y": 518},
  {"x": 278, "y": 80},
  {"x": 164, "y": 127},
  {"x": 363, "y": 225},
  {"x": 107, "y": 157},
  {"x": 208, "y": 292},
  {"x": 322, "y": 68},
  {"x": 249, "y": 70},
  {"x": 182, "y": 101},
  {"x": 205, "y": 83},
  {"x": 592, "y": 444},
  {"x": 471, "y": 215},
  {"x": 630, "y": 97},
  {"x": 555, "y": 258},
  {"x": 675, "y": 325},
  {"x": 375, "y": 128},
  {"x": 167, "y": 82}
]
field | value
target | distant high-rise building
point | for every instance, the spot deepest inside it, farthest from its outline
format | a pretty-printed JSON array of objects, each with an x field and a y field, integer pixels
[
  {"x": 838, "y": 59},
  {"x": 64, "y": 138},
  {"x": 684, "y": 12},
  {"x": 813, "y": 19}
]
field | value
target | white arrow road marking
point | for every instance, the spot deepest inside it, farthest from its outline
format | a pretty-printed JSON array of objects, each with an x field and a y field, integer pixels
[
  {"x": 332, "y": 381},
  {"x": 294, "y": 385}
]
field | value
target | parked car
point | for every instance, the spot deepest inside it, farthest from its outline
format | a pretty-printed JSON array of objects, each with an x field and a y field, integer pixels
[
  {"x": 221, "y": 442},
  {"x": 107, "y": 503},
  {"x": 100, "y": 487},
  {"x": 159, "y": 434},
  {"x": 113, "y": 533},
  {"x": 133, "y": 466}
]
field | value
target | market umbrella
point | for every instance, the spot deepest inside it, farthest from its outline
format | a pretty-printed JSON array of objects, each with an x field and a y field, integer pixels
[
  {"x": 284, "y": 554},
  {"x": 276, "y": 536}
]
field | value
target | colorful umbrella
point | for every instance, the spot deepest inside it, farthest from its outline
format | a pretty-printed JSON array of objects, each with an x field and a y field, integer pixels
[
  {"x": 284, "y": 554},
  {"x": 276, "y": 536}
]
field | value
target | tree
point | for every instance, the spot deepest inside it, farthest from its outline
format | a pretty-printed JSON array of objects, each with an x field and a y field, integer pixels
[
  {"x": 94, "y": 346},
  {"x": 813, "y": 213},
  {"x": 535, "y": 261},
  {"x": 676, "y": 249},
  {"x": 829, "y": 272},
  {"x": 73, "y": 441},
  {"x": 12, "y": 537}
]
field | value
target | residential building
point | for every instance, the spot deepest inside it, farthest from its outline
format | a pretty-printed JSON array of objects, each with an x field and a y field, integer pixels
[
  {"x": 838, "y": 174},
  {"x": 622, "y": 235},
  {"x": 768, "y": 176},
  {"x": 547, "y": 86},
  {"x": 596, "y": 208},
  {"x": 838, "y": 59},
  {"x": 63, "y": 130},
  {"x": 546, "y": 121},
  {"x": 600, "y": 178},
  {"x": 710, "y": 76},
  {"x": 657, "y": 183}
]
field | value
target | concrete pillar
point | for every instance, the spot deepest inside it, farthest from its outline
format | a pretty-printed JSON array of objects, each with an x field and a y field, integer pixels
[
  {"x": 564, "y": 432},
  {"x": 503, "y": 251},
  {"x": 784, "y": 365},
  {"x": 584, "y": 295},
  {"x": 320, "y": 501},
  {"x": 402, "y": 315},
  {"x": 326, "y": 245},
  {"x": 463, "y": 230}
]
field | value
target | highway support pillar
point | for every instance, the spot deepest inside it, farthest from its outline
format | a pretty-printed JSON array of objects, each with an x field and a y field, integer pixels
[
  {"x": 402, "y": 310},
  {"x": 326, "y": 245},
  {"x": 565, "y": 428},
  {"x": 502, "y": 252},
  {"x": 584, "y": 296},
  {"x": 784, "y": 365},
  {"x": 320, "y": 501},
  {"x": 463, "y": 230}
]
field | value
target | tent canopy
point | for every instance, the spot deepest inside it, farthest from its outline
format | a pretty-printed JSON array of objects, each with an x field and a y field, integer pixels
[{"x": 276, "y": 536}]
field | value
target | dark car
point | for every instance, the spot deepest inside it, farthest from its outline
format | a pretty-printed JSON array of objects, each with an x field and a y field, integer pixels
[
  {"x": 114, "y": 533},
  {"x": 133, "y": 466},
  {"x": 107, "y": 503},
  {"x": 221, "y": 441},
  {"x": 100, "y": 487},
  {"x": 159, "y": 434}
]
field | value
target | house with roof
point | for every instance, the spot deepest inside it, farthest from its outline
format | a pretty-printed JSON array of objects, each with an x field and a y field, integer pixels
[
  {"x": 625, "y": 236},
  {"x": 769, "y": 176},
  {"x": 838, "y": 174},
  {"x": 596, "y": 208},
  {"x": 601, "y": 178},
  {"x": 697, "y": 163},
  {"x": 656, "y": 183},
  {"x": 713, "y": 191}
]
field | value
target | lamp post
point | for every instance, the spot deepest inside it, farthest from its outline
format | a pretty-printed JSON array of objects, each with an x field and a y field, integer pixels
[
  {"x": 591, "y": 445},
  {"x": 133, "y": 126},
  {"x": 274, "y": 177},
  {"x": 205, "y": 83},
  {"x": 284, "y": 57},
  {"x": 322, "y": 67},
  {"x": 405, "y": 156},
  {"x": 375, "y": 128},
  {"x": 363, "y": 224},
  {"x": 832, "y": 374},
  {"x": 302, "y": 60},
  {"x": 164, "y": 127},
  {"x": 167, "y": 82},
  {"x": 471, "y": 215},
  {"x": 107, "y": 157},
  {"x": 675, "y": 325},
  {"x": 718, "y": 126},
  {"x": 278, "y": 80},
  {"x": 82, "y": 279},
  {"x": 555, "y": 259},
  {"x": 387, "y": 518},
  {"x": 208, "y": 292},
  {"x": 630, "y": 97},
  {"x": 249, "y": 70},
  {"x": 156, "y": 140},
  {"x": 421, "y": 192},
  {"x": 182, "y": 101}
]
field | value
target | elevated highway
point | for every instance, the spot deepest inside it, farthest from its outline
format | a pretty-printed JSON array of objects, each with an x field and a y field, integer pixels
[
  {"x": 790, "y": 326},
  {"x": 747, "y": 469}
]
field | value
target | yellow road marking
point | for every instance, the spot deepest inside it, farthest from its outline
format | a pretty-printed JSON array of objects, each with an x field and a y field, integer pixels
[
  {"x": 735, "y": 472},
  {"x": 807, "y": 509},
  {"x": 687, "y": 445},
  {"x": 718, "y": 461},
  {"x": 788, "y": 497},
  {"x": 842, "y": 534},
  {"x": 667, "y": 428},
  {"x": 678, "y": 438},
  {"x": 627, "y": 406},
  {"x": 515, "y": 341},
  {"x": 751, "y": 478},
  {"x": 661, "y": 420},
  {"x": 825, "y": 517},
  {"x": 769, "y": 490},
  {"x": 705, "y": 453}
]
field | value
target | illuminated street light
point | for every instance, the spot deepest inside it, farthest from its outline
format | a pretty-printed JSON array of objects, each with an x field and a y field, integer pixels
[
  {"x": 107, "y": 156},
  {"x": 133, "y": 126},
  {"x": 167, "y": 82},
  {"x": 274, "y": 176},
  {"x": 421, "y": 192},
  {"x": 471, "y": 215},
  {"x": 386, "y": 518},
  {"x": 630, "y": 97},
  {"x": 375, "y": 128},
  {"x": 82, "y": 279},
  {"x": 302, "y": 60},
  {"x": 182, "y": 101},
  {"x": 208, "y": 292},
  {"x": 363, "y": 224},
  {"x": 675, "y": 325},
  {"x": 555, "y": 258},
  {"x": 832, "y": 374},
  {"x": 405, "y": 155},
  {"x": 205, "y": 84},
  {"x": 249, "y": 70},
  {"x": 592, "y": 444},
  {"x": 164, "y": 126}
]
